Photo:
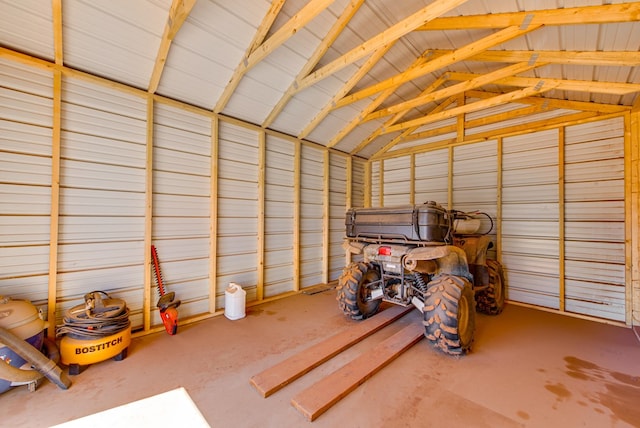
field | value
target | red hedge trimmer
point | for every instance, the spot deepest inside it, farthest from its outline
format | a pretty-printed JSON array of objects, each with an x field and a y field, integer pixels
[{"x": 167, "y": 303}]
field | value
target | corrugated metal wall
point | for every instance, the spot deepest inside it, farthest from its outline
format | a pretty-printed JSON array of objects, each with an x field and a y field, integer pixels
[
  {"x": 312, "y": 166},
  {"x": 397, "y": 174},
  {"x": 475, "y": 184},
  {"x": 26, "y": 121},
  {"x": 337, "y": 207},
  {"x": 432, "y": 177},
  {"x": 182, "y": 205},
  {"x": 561, "y": 222},
  {"x": 595, "y": 219},
  {"x": 238, "y": 177},
  {"x": 277, "y": 220},
  {"x": 530, "y": 213},
  {"x": 102, "y": 195},
  {"x": 280, "y": 236}
]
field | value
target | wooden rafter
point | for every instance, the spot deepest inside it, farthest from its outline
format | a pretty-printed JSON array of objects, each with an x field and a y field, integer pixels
[
  {"x": 461, "y": 54},
  {"x": 375, "y": 134},
  {"x": 482, "y": 121},
  {"x": 375, "y": 103},
  {"x": 261, "y": 48},
  {"x": 408, "y": 131},
  {"x": 624, "y": 12},
  {"x": 538, "y": 125},
  {"x": 560, "y": 104},
  {"x": 541, "y": 86},
  {"x": 57, "y": 31},
  {"x": 475, "y": 82},
  {"x": 611, "y": 88},
  {"x": 393, "y": 33},
  {"x": 342, "y": 21},
  {"x": 258, "y": 38},
  {"x": 362, "y": 71},
  {"x": 614, "y": 59},
  {"x": 180, "y": 10}
]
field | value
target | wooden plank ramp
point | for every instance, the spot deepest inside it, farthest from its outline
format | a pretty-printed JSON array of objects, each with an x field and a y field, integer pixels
[
  {"x": 319, "y": 397},
  {"x": 280, "y": 375}
]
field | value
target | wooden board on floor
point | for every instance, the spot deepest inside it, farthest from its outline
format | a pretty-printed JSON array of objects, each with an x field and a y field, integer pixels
[
  {"x": 280, "y": 375},
  {"x": 319, "y": 397}
]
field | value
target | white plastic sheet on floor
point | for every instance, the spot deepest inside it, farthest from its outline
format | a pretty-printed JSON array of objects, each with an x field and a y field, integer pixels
[{"x": 171, "y": 408}]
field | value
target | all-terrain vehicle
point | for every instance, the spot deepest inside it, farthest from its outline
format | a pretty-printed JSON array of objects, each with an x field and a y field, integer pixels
[{"x": 427, "y": 256}]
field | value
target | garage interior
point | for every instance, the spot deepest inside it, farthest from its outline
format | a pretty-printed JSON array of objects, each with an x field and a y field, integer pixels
[{"x": 234, "y": 136}]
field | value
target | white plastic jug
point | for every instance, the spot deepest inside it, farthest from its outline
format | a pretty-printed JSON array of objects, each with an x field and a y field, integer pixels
[{"x": 234, "y": 301}]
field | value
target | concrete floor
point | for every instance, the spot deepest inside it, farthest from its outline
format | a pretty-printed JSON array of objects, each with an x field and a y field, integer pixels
[{"x": 528, "y": 368}]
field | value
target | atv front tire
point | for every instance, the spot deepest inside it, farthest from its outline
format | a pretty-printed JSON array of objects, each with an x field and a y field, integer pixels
[
  {"x": 354, "y": 292},
  {"x": 449, "y": 314}
]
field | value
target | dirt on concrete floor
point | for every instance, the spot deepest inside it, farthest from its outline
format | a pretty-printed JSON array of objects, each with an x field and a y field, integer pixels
[{"x": 528, "y": 368}]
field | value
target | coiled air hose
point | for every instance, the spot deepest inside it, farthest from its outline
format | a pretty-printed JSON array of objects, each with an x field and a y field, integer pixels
[{"x": 97, "y": 317}]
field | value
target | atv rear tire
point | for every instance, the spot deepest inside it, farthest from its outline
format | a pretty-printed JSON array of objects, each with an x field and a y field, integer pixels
[
  {"x": 354, "y": 292},
  {"x": 491, "y": 300},
  {"x": 449, "y": 314}
]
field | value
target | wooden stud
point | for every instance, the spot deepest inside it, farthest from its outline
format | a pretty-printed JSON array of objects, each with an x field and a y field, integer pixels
[
  {"x": 148, "y": 216},
  {"x": 297, "y": 214},
  {"x": 213, "y": 215},
  {"x": 561, "y": 214},
  {"x": 349, "y": 198},
  {"x": 367, "y": 184},
  {"x": 326, "y": 209},
  {"x": 56, "y": 143},
  {"x": 632, "y": 217},
  {"x": 261, "y": 212},
  {"x": 499, "y": 199}
]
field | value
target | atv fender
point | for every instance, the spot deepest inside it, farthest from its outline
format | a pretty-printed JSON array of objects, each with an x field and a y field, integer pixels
[{"x": 448, "y": 259}]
